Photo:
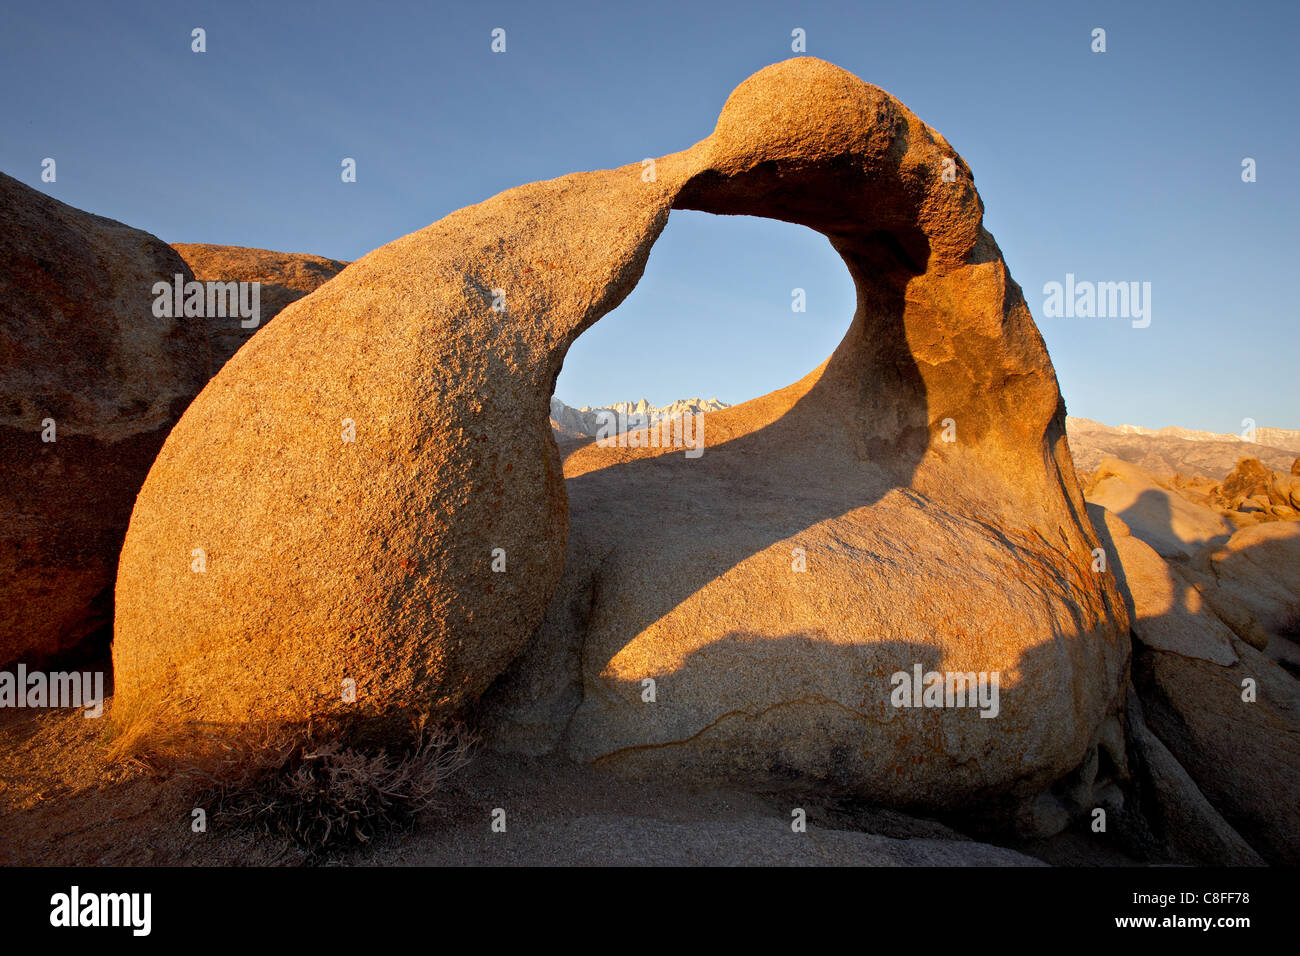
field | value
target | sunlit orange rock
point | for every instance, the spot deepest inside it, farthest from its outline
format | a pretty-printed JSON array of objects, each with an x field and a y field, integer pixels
[
  {"x": 282, "y": 277},
  {"x": 328, "y": 560}
]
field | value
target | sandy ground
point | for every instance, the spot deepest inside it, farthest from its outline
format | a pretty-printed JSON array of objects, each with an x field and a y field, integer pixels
[{"x": 63, "y": 802}]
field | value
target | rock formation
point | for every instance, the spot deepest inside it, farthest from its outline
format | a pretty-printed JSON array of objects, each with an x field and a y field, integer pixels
[
  {"x": 1260, "y": 567},
  {"x": 284, "y": 277},
  {"x": 90, "y": 383},
  {"x": 1160, "y": 516},
  {"x": 1167, "y": 613},
  {"x": 1255, "y": 489},
  {"x": 1243, "y": 572},
  {"x": 1217, "y": 729},
  {"x": 419, "y": 558},
  {"x": 1243, "y": 753},
  {"x": 1181, "y": 516},
  {"x": 1190, "y": 827},
  {"x": 1249, "y": 477}
]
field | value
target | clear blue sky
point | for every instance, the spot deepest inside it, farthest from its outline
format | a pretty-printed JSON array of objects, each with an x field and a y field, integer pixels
[{"x": 1115, "y": 167}]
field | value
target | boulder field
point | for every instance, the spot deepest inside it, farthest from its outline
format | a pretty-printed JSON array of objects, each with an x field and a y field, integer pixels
[{"x": 364, "y": 512}]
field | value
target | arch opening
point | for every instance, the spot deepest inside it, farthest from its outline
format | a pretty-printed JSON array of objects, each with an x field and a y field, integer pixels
[{"x": 732, "y": 307}]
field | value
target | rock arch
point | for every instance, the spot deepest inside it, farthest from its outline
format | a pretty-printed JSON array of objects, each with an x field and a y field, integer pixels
[{"x": 372, "y": 559}]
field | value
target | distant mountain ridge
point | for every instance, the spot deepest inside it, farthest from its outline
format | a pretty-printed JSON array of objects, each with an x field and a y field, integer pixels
[
  {"x": 1157, "y": 451},
  {"x": 1172, "y": 450},
  {"x": 1286, "y": 438},
  {"x": 586, "y": 421}
]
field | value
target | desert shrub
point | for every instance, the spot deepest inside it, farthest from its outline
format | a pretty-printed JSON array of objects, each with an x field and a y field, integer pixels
[{"x": 323, "y": 795}]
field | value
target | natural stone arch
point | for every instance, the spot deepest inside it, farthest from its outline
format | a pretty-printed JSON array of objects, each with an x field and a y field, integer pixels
[{"x": 372, "y": 560}]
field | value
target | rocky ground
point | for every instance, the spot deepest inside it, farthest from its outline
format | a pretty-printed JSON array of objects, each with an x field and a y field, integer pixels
[{"x": 79, "y": 808}]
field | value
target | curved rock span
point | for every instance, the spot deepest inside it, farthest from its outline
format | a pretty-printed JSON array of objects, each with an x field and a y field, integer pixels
[{"x": 274, "y": 557}]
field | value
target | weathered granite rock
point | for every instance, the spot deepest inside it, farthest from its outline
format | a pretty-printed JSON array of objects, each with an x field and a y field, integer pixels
[
  {"x": 1284, "y": 490},
  {"x": 1172, "y": 525},
  {"x": 79, "y": 347},
  {"x": 283, "y": 277},
  {"x": 1252, "y": 487},
  {"x": 1261, "y": 567},
  {"x": 1242, "y": 751},
  {"x": 1191, "y": 828},
  {"x": 373, "y": 559},
  {"x": 1167, "y": 613},
  {"x": 1248, "y": 587},
  {"x": 1250, "y": 477}
]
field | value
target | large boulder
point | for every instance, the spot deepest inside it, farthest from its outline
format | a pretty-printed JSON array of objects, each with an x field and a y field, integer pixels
[
  {"x": 1223, "y": 715},
  {"x": 1164, "y": 519},
  {"x": 1188, "y": 825},
  {"x": 1250, "y": 477},
  {"x": 1284, "y": 494},
  {"x": 85, "y": 363},
  {"x": 1253, "y": 487},
  {"x": 922, "y": 471},
  {"x": 1236, "y": 730},
  {"x": 1167, "y": 612},
  {"x": 282, "y": 277},
  {"x": 1248, "y": 587},
  {"x": 1261, "y": 566}
]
